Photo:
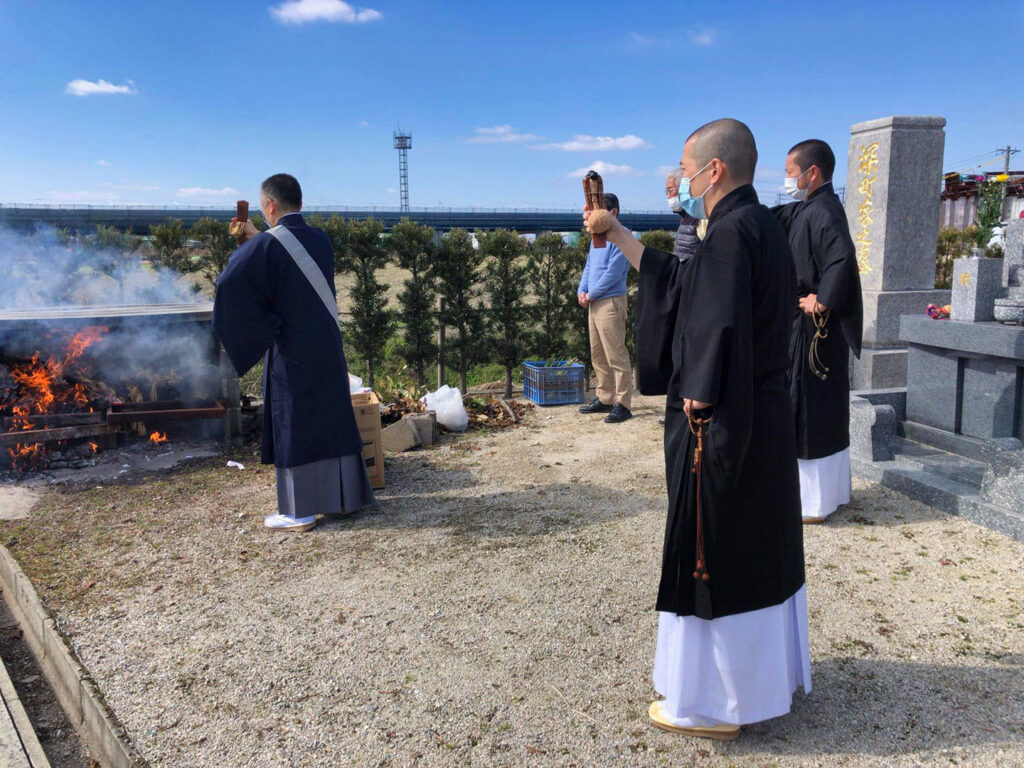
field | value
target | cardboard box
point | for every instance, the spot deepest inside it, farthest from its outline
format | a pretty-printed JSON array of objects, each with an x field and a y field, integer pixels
[{"x": 367, "y": 409}]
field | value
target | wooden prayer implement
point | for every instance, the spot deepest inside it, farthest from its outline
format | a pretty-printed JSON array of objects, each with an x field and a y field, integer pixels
[
  {"x": 242, "y": 216},
  {"x": 814, "y": 362},
  {"x": 697, "y": 426},
  {"x": 593, "y": 195}
]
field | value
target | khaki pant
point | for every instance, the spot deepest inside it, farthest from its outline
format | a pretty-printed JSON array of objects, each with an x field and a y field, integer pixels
[{"x": 608, "y": 350}]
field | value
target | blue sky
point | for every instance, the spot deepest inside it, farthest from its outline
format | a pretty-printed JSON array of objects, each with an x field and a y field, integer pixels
[{"x": 506, "y": 102}]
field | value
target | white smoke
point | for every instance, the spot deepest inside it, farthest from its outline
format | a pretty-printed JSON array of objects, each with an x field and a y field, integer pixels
[
  {"x": 163, "y": 357},
  {"x": 46, "y": 269}
]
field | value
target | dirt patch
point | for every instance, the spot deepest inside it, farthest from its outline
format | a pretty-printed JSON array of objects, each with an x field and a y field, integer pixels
[
  {"x": 497, "y": 610},
  {"x": 16, "y": 502}
]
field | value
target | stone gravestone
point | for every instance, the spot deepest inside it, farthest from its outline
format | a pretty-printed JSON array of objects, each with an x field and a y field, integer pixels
[
  {"x": 977, "y": 283},
  {"x": 1013, "y": 258},
  {"x": 892, "y": 204},
  {"x": 1011, "y": 308}
]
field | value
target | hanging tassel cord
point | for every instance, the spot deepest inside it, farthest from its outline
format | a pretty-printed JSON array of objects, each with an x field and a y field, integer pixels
[
  {"x": 698, "y": 427},
  {"x": 814, "y": 361}
]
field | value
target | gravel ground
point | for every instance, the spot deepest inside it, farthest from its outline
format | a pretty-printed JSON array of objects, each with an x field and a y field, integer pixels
[{"x": 497, "y": 610}]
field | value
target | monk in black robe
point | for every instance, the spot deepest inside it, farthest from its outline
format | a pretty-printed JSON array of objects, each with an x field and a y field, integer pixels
[
  {"x": 827, "y": 324},
  {"x": 732, "y": 647},
  {"x": 275, "y": 300}
]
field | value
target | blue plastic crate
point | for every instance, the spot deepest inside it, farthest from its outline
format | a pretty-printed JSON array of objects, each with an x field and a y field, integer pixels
[{"x": 558, "y": 384}]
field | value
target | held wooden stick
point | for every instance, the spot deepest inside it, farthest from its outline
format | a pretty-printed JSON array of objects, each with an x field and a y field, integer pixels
[
  {"x": 593, "y": 195},
  {"x": 241, "y": 216}
]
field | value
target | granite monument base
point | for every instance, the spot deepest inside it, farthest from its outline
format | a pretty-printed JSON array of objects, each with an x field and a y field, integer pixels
[{"x": 952, "y": 438}]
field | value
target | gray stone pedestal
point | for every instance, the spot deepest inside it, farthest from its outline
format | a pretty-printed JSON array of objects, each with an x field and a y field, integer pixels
[
  {"x": 892, "y": 204},
  {"x": 977, "y": 283}
]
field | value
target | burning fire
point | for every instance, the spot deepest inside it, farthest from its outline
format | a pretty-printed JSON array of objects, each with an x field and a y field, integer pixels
[
  {"x": 44, "y": 390},
  {"x": 158, "y": 437},
  {"x": 43, "y": 383},
  {"x": 94, "y": 446},
  {"x": 29, "y": 456}
]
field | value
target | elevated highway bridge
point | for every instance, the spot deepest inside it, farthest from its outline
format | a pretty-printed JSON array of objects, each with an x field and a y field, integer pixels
[{"x": 139, "y": 219}]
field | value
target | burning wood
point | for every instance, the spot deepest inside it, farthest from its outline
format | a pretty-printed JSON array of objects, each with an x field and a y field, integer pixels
[
  {"x": 66, "y": 387},
  {"x": 42, "y": 390}
]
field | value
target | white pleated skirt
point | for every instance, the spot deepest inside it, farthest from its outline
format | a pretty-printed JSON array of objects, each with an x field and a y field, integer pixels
[
  {"x": 736, "y": 669},
  {"x": 824, "y": 484}
]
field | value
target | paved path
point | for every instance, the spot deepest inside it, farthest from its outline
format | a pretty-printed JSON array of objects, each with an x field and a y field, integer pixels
[{"x": 19, "y": 747}]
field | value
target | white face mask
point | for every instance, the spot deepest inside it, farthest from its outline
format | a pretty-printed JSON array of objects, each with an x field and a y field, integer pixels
[
  {"x": 792, "y": 189},
  {"x": 674, "y": 204}
]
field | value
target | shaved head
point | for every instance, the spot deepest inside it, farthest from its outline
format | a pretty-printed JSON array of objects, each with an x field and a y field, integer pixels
[{"x": 731, "y": 142}]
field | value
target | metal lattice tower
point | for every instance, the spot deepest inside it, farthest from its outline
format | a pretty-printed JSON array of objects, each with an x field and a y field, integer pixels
[{"x": 403, "y": 143}]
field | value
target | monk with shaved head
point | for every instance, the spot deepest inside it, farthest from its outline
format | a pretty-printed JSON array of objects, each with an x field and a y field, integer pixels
[{"x": 713, "y": 336}]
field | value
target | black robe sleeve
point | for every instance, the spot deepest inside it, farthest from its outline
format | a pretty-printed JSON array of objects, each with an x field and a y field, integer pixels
[
  {"x": 785, "y": 214},
  {"x": 835, "y": 258},
  {"x": 243, "y": 313},
  {"x": 657, "y": 306}
]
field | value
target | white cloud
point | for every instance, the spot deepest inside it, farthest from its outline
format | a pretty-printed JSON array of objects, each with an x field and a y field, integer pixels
[
  {"x": 703, "y": 37},
  {"x": 642, "y": 40},
  {"x": 771, "y": 175},
  {"x": 583, "y": 143},
  {"x": 501, "y": 133},
  {"x": 392, "y": 191},
  {"x": 138, "y": 187},
  {"x": 363, "y": 123},
  {"x": 102, "y": 163},
  {"x": 605, "y": 169},
  {"x": 89, "y": 88},
  {"x": 205, "y": 192},
  {"x": 335, "y": 11},
  {"x": 665, "y": 170}
]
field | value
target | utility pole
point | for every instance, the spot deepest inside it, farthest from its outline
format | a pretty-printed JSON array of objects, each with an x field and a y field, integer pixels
[{"x": 1006, "y": 159}]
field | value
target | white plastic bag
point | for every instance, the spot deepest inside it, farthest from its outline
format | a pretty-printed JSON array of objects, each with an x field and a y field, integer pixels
[{"x": 447, "y": 403}]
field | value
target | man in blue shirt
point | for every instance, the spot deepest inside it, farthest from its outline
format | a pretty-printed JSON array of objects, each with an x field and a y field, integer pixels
[{"x": 603, "y": 292}]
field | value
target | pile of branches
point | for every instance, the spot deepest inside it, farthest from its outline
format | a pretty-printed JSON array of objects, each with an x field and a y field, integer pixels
[
  {"x": 494, "y": 412},
  {"x": 403, "y": 404}
]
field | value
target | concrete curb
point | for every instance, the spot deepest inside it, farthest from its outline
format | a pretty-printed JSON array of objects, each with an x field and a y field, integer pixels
[{"x": 76, "y": 691}]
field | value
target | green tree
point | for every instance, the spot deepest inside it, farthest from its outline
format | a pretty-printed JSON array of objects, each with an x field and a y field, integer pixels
[
  {"x": 952, "y": 244},
  {"x": 216, "y": 245},
  {"x": 168, "y": 240},
  {"x": 552, "y": 276},
  {"x": 990, "y": 210},
  {"x": 412, "y": 248},
  {"x": 579, "y": 334},
  {"x": 457, "y": 274},
  {"x": 116, "y": 251},
  {"x": 659, "y": 239},
  {"x": 506, "y": 317},
  {"x": 371, "y": 323},
  {"x": 337, "y": 230}
]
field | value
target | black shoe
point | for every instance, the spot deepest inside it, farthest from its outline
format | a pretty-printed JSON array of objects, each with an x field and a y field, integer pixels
[
  {"x": 617, "y": 414},
  {"x": 595, "y": 406}
]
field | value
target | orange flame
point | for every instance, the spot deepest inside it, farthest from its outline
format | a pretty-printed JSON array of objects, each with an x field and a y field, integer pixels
[
  {"x": 157, "y": 437},
  {"x": 27, "y": 456},
  {"x": 83, "y": 340},
  {"x": 43, "y": 388},
  {"x": 94, "y": 446}
]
